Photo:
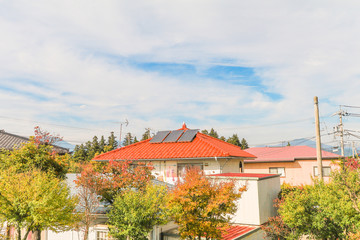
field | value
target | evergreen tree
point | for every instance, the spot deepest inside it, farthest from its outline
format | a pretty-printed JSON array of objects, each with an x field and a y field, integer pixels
[
  {"x": 244, "y": 144},
  {"x": 128, "y": 139},
  {"x": 205, "y": 132},
  {"x": 112, "y": 143},
  {"x": 223, "y": 138},
  {"x": 146, "y": 134},
  {"x": 234, "y": 139},
  {"x": 135, "y": 140},
  {"x": 102, "y": 144},
  {"x": 213, "y": 133}
]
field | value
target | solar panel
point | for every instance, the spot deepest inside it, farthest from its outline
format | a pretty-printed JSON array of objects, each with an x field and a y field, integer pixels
[
  {"x": 173, "y": 136},
  {"x": 159, "y": 137},
  {"x": 188, "y": 136}
]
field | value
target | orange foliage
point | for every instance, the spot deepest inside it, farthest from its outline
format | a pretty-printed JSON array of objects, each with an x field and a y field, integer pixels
[
  {"x": 202, "y": 207},
  {"x": 115, "y": 177}
]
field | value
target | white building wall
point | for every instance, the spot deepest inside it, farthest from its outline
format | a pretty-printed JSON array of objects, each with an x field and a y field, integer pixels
[
  {"x": 248, "y": 211},
  {"x": 255, "y": 204},
  {"x": 75, "y": 235}
]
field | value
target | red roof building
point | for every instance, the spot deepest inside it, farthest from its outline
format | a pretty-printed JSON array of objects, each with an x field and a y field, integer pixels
[
  {"x": 172, "y": 151},
  {"x": 236, "y": 232},
  {"x": 296, "y": 164}
]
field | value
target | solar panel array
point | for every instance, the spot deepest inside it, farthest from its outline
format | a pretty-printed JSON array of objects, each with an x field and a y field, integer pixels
[
  {"x": 159, "y": 137},
  {"x": 188, "y": 136},
  {"x": 174, "y": 136}
]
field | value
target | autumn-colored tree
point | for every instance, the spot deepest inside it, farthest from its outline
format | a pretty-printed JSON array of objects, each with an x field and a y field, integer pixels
[
  {"x": 44, "y": 137},
  {"x": 89, "y": 200},
  {"x": 135, "y": 212},
  {"x": 117, "y": 176},
  {"x": 202, "y": 208},
  {"x": 35, "y": 200}
]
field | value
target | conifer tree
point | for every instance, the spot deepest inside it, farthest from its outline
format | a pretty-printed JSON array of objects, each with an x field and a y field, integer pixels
[
  {"x": 146, "y": 134},
  {"x": 244, "y": 144},
  {"x": 234, "y": 139}
]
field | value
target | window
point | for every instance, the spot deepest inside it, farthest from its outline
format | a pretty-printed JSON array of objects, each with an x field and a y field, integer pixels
[
  {"x": 181, "y": 168},
  {"x": 325, "y": 171},
  {"x": 277, "y": 170},
  {"x": 103, "y": 235}
]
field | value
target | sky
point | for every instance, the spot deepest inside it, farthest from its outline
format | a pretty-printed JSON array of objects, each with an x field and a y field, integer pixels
[{"x": 81, "y": 68}]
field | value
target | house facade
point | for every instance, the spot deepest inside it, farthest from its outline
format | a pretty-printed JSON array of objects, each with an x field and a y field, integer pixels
[
  {"x": 171, "y": 152},
  {"x": 296, "y": 164}
]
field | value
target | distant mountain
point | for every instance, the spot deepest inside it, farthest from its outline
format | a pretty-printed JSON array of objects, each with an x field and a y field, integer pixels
[{"x": 310, "y": 143}]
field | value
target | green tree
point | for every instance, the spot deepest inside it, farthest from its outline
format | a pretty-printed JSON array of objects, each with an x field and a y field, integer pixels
[
  {"x": 135, "y": 212},
  {"x": 35, "y": 200},
  {"x": 202, "y": 208},
  {"x": 112, "y": 143},
  {"x": 213, "y": 133},
  {"x": 102, "y": 143},
  {"x": 244, "y": 144},
  {"x": 128, "y": 140},
  {"x": 326, "y": 210},
  {"x": 234, "y": 139},
  {"x": 146, "y": 134},
  {"x": 31, "y": 155},
  {"x": 222, "y": 138},
  {"x": 205, "y": 132},
  {"x": 135, "y": 140}
]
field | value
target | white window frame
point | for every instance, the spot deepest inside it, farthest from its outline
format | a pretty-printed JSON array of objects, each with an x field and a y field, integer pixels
[
  {"x": 281, "y": 172},
  {"x": 315, "y": 171}
]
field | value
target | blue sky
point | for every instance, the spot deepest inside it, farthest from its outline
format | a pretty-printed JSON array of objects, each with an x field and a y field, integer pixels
[{"x": 245, "y": 67}]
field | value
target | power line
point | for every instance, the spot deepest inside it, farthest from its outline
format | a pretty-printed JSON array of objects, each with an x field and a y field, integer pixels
[{"x": 52, "y": 124}]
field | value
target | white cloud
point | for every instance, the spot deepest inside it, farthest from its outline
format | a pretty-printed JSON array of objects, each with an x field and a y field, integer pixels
[{"x": 299, "y": 49}]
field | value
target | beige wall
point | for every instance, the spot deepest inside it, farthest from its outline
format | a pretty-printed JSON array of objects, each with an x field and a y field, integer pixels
[{"x": 296, "y": 173}]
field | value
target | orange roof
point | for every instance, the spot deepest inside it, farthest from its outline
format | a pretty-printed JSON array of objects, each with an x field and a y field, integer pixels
[
  {"x": 236, "y": 231},
  {"x": 202, "y": 146}
]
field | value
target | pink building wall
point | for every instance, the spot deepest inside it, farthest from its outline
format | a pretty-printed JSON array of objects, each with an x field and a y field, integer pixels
[{"x": 296, "y": 173}]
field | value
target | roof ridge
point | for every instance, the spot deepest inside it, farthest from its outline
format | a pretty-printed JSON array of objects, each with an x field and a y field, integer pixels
[
  {"x": 14, "y": 135},
  {"x": 118, "y": 149}
]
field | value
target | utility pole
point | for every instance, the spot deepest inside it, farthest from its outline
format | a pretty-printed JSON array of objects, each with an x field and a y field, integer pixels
[
  {"x": 121, "y": 123},
  {"x": 318, "y": 139},
  {"x": 340, "y": 129}
]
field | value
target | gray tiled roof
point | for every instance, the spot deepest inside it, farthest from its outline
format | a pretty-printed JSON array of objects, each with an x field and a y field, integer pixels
[{"x": 10, "y": 141}]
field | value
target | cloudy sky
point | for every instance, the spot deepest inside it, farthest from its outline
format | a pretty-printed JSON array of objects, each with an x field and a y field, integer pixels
[{"x": 79, "y": 68}]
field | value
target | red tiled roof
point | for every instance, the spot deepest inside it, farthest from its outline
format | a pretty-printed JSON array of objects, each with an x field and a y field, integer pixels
[
  {"x": 202, "y": 146},
  {"x": 237, "y": 231},
  {"x": 244, "y": 175},
  {"x": 287, "y": 154}
]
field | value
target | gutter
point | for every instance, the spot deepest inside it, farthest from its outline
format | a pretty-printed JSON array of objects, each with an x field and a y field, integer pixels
[{"x": 173, "y": 159}]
